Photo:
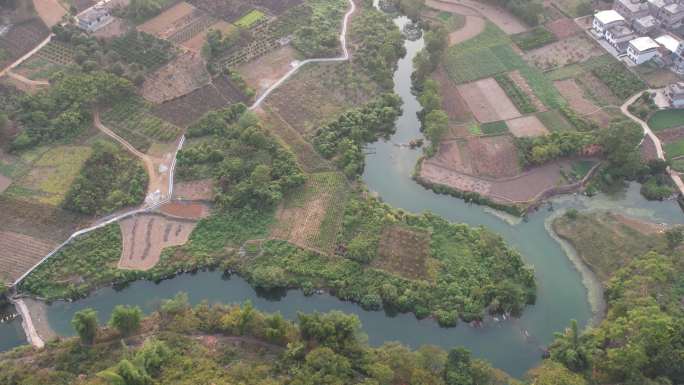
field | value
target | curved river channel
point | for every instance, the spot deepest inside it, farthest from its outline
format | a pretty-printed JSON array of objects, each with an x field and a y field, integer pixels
[{"x": 512, "y": 345}]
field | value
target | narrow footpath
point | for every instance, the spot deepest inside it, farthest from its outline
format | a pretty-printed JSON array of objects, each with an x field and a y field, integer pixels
[
  {"x": 27, "y": 323},
  {"x": 648, "y": 132}
]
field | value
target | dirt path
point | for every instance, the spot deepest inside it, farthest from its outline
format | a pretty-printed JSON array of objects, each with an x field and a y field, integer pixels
[
  {"x": 648, "y": 132},
  {"x": 28, "y": 55},
  {"x": 157, "y": 168},
  {"x": 345, "y": 56},
  {"x": 31, "y": 85},
  {"x": 474, "y": 22}
]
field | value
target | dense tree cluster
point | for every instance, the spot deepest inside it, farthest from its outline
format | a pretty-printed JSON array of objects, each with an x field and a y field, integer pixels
[
  {"x": 237, "y": 344},
  {"x": 641, "y": 340},
  {"x": 343, "y": 139},
  {"x": 64, "y": 110},
  {"x": 477, "y": 272},
  {"x": 379, "y": 45},
  {"x": 542, "y": 149},
  {"x": 435, "y": 121},
  {"x": 252, "y": 169},
  {"x": 110, "y": 179},
  {"x": 426, "y": 61},
  {"x": 319, "y": 35}
]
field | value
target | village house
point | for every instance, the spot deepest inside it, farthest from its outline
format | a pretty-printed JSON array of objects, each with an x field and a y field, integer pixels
[
  {"x": 631, "y": 9},
  {"x": 671, "y": 16},
  {"x": 94, "y": 18},
  {"x": 606, "y": 19},
  {"x": 619, "y": 37},
  {"x": 642, "y": 49},
  {"x": 675, "y": 94},
  {"x": 645, "y": 25}
]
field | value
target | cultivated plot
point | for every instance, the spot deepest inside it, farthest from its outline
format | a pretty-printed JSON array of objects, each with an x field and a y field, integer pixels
[
  {"x": 19, "y": 253},
  {"x": 488, "y": 101},
  {"x": 526, "y": 126}
]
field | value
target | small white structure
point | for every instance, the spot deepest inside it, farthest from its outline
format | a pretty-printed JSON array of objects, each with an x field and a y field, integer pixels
[
  {"x": 642, "y": 49},
  {"x": 94, "y": 18},
  {"x": 606, "y": 19},
  {"x": 675, "y": 94},
  {"x": 671, "y": 43}
]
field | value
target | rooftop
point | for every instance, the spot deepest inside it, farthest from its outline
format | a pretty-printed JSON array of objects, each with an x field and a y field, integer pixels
[
  {"x": 609, "y": 16},
  {"x": 669, "y": 42},
  {"x": 643, "y": 43},
  {"x": 646, "y": 21},
  {"x": 658, "y": 3},
  {"x": 677, "y": 88},
  {"x": 620, "y": 31},
  {"x": 633, "y": 5},
  {"x": 673, "y": 8}
]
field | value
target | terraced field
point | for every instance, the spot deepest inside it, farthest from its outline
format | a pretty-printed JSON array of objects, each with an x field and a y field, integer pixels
[{"x": 19, "y": 253}]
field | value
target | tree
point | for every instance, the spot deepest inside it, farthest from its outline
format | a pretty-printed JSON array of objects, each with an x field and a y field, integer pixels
[
  {"x": 553, "y": 373},
  {"x": 85, "y": 324},
  {"x": 584, "y": 8},
  {"x": 567, "y": 349},
  {"x": 126, "y": 319},
  {"x": 620, "y": 141},
  {"x": 457, "y": 370},
  {"x": 674, "y": 236},
  {"x": 436, "y": 125}
]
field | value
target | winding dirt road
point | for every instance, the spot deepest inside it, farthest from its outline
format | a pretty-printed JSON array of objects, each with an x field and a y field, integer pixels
[{"x": 648, "y": 132}]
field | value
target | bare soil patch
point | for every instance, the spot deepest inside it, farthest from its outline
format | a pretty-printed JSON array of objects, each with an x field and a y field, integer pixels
[
  {"x": 229, "y": 10},
  {"x": 488, "y": 101},
  {"x": 202, "y": 189},
  {"x": 404, "y": 252},
  {"x": 185, "y": 209},
  {"x": 574, "y": 94},
  {"x": 491, "y": 156},
  {"x": 452, "y": 101},
  {"x": 82, "y": 5},
  {"x": 474, "y": 25},
  {"x": 648, "y": 149},
  {"x": 267, "y": 69},
  {"x": 19, "y": 253},
  {"x": 117, "y": 27},
  {"x": 563, "y": 28},
  {"x": 145, "y": 236},
  {"x": 599, "y": 91},
  {"x": 167, "y": 22},
  {"x": 522, "y": 84},
  {"x": 21, "y": 38},
  {"x": 574, "y": 49},
  {"x": 179, "y": 77},
  {"x": 497, "y": 15},
  {"x": 671, "y": 135},
  {"x": 51, "y": 11},
  {"x": 4, "y": 182},
  {"x": 526, "y": 126}
]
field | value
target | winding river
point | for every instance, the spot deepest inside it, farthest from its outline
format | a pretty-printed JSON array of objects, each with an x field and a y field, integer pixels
[{"x": 512, "y": 345}]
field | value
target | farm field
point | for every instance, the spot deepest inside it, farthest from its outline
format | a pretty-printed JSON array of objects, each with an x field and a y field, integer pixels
[
  {"x": 674, "y": 149},
  {"x": 185, "y": 210},
  {"x": 48, "y": 178},
  {"x": 145, "y": 236},
  {"x": 37, "y": 220},
  {"x": 405, "y": 252},
  {"x": 487, "y": 156},
  {"x": 196, "y": 36},
  {"x": 133, "y": 121},
  {"x": 202, "y": 190},
  {"x": 526, "y": 126},
  {"x": 487, "y": 101},
  {"x": 322, "y": 91},
  {"x": 19, "y": 253},
  {"x": 311, "y": 216},
  {"x": 664, "y": 119},
  {"x": 577, "y": 100},
  {"x": 20, "y": 39},
  {"x": 179, "y": 77},
  {"x": 144, "y": 49},
  {"x": 554, "y": 121},
  {"x": 184, "y": 110},
  {"x": 523, "y": 85},
  {"x": 267, "y": 69},
  {"x": 308, "y": 158},
  {"x": 534, "y": 38},
  {"x": 169, "y": 21},
  {"x": 50, "y": 11},
  {"x": 452, "y": 102},
  {"x": 229, "y": 10},
  {"x": 563, "y": 28},
  {"x": 574, "y": 49},
  {"x": 247, "y": 21}
]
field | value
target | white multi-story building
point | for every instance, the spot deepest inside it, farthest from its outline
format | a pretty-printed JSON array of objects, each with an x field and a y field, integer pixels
[
  {"x": 606, "y": 19},
  {"x": 642, "y": 49}
]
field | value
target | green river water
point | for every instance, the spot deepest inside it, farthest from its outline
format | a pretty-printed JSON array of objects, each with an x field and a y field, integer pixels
[{"x": 513, "y": 345}]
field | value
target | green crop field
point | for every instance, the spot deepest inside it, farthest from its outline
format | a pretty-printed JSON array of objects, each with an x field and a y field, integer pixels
[
  {"x": 674, "y": 149},
  {"x": 250, "y": 19},
  {"x": 494, "y": 128},
  {"x": 143, "y": 49},
  {"x": 665, "y": 119},
  {"x": 554, "y": 121}
]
